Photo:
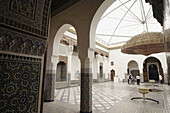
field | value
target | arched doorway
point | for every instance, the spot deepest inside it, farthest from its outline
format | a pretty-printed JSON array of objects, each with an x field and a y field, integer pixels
[
  {"x": 153, "y": 72},
  {"x": 133, "y": 68},
  {"x": 58, "y": 65},
  {"x": 112, "y": 74},
  {"x": 151, "y": 69},
  {"x": 61, "y": 72}
]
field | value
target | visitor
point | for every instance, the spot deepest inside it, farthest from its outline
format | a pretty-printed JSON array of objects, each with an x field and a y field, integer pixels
[
  {"x": 138, "y": 79},
  {"x": 129, "y": 79},
  {"x": 160, "y": 79}
]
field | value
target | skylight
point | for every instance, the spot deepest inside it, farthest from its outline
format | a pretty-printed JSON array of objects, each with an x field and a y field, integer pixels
[{"x": 125, "y": 19}]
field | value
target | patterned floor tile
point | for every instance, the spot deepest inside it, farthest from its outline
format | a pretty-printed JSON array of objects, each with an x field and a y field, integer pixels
[{"x": 109, "y": 97}]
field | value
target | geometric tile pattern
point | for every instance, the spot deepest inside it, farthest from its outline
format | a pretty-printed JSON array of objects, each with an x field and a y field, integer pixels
[
  {"x": 50, "y": 85},
  {"x": 19, "y": 83},
  {"x": 21, "y": 43},
  {"x": 109, "y": 97},
  {"x": 25, "y": 8},
  {"x": 29, "y": 16},
  {"x": 86, "y": 90},
  {"x": 103, "y": 97}
]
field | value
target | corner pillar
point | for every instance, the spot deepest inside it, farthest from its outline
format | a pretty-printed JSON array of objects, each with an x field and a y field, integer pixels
[
  {"x": 86, "y": 82},
  {"x": 49, "y": 94}
]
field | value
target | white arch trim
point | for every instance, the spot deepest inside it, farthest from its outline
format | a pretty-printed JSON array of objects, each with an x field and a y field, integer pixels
[
  {"x": 105, "y": 5},
  {"x": 133, "y": 64},
  {"x": 58, "y": 37}
]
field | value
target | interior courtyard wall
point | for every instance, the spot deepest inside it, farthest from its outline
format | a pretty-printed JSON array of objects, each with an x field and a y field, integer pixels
[{"x": 121, "y": 61}]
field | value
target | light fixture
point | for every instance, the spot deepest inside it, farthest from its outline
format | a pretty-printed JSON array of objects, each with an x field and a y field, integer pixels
[{"x": 146, "y": 43}]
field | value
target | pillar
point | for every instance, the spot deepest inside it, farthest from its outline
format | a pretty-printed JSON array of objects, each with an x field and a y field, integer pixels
[
  {"x": 86, "y": 82},
  {"x": 167, "y": 34},
  {"x": 50, "y": 79},
  {"x": 70, "y": 52}
]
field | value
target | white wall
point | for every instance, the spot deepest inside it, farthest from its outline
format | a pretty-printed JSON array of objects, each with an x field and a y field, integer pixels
[
  {"x": 75, "y": 67},
  {"x": 63, "y": 50},
  {"x": 95, "y": 65},
  {"x": 121, "y": 61}
]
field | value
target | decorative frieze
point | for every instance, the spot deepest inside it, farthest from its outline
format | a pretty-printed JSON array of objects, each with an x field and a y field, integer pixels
[{"x": 19, "y": 43}]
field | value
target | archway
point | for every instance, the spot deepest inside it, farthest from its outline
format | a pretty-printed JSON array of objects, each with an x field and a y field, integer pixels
[
  {"x": 112, "y": 74},
  {"x": 59, "y": 62},
  {"x": 151, "y": 69},
  {"x": 133, "y": 68}
]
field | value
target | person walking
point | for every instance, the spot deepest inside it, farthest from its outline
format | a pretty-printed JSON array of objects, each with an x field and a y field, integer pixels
[
  {"x": 129, "y": 79},
  {"x": 138, "y": 79}
]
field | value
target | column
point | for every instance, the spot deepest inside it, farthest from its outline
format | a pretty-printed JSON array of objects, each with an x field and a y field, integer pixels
[
  {"x": 70, "y": 52},
  {"x": 50, "y": 82},
  {"x": 98, "y": 65},
  {"x": 167, "y": 34},
  {"x": 86, "y": 82}
]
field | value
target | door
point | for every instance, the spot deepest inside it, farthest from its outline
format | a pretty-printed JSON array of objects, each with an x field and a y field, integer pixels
[{"x": 112, "y": 74}]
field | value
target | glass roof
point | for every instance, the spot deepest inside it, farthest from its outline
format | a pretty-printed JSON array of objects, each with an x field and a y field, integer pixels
[{"x": 125, "y": 19}]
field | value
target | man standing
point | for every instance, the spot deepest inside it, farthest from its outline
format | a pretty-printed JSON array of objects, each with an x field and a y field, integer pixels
[
  {"x": 138, "y": 79},
  {"x": 160, "y": 79}
]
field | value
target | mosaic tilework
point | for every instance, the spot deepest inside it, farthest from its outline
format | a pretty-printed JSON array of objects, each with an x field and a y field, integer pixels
[
  {"x": 86, "y": 92},
  {"x": 104, "y": 96},
  {"x": 23, "y": 7},
  {"x": 50, "y": 86},
  {"x": 19, "y": 83},
  {"x": 23, "y": 32},
  {"x": 20, "y": 43},
  {"x": 110, "y": 97},
  {"x": 30, "y": 16}
]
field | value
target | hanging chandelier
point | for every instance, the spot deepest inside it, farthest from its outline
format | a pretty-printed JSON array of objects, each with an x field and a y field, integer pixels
[{"x": 146, "y": 43}]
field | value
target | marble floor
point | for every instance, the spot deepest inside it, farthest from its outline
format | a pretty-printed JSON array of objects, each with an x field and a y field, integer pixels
[{"x": 110, "y": 97}]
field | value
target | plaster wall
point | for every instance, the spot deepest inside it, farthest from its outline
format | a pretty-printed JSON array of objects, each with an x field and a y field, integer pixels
[
  {"x": 95, "y": 65},
  {"x": 75, "y": 67}
]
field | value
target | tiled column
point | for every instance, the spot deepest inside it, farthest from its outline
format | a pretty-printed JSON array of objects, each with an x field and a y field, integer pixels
[
  {"x": 50, "y": 79},
  {"x": 86, "y": 88},
  {"x": 50, "y": 86}
]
